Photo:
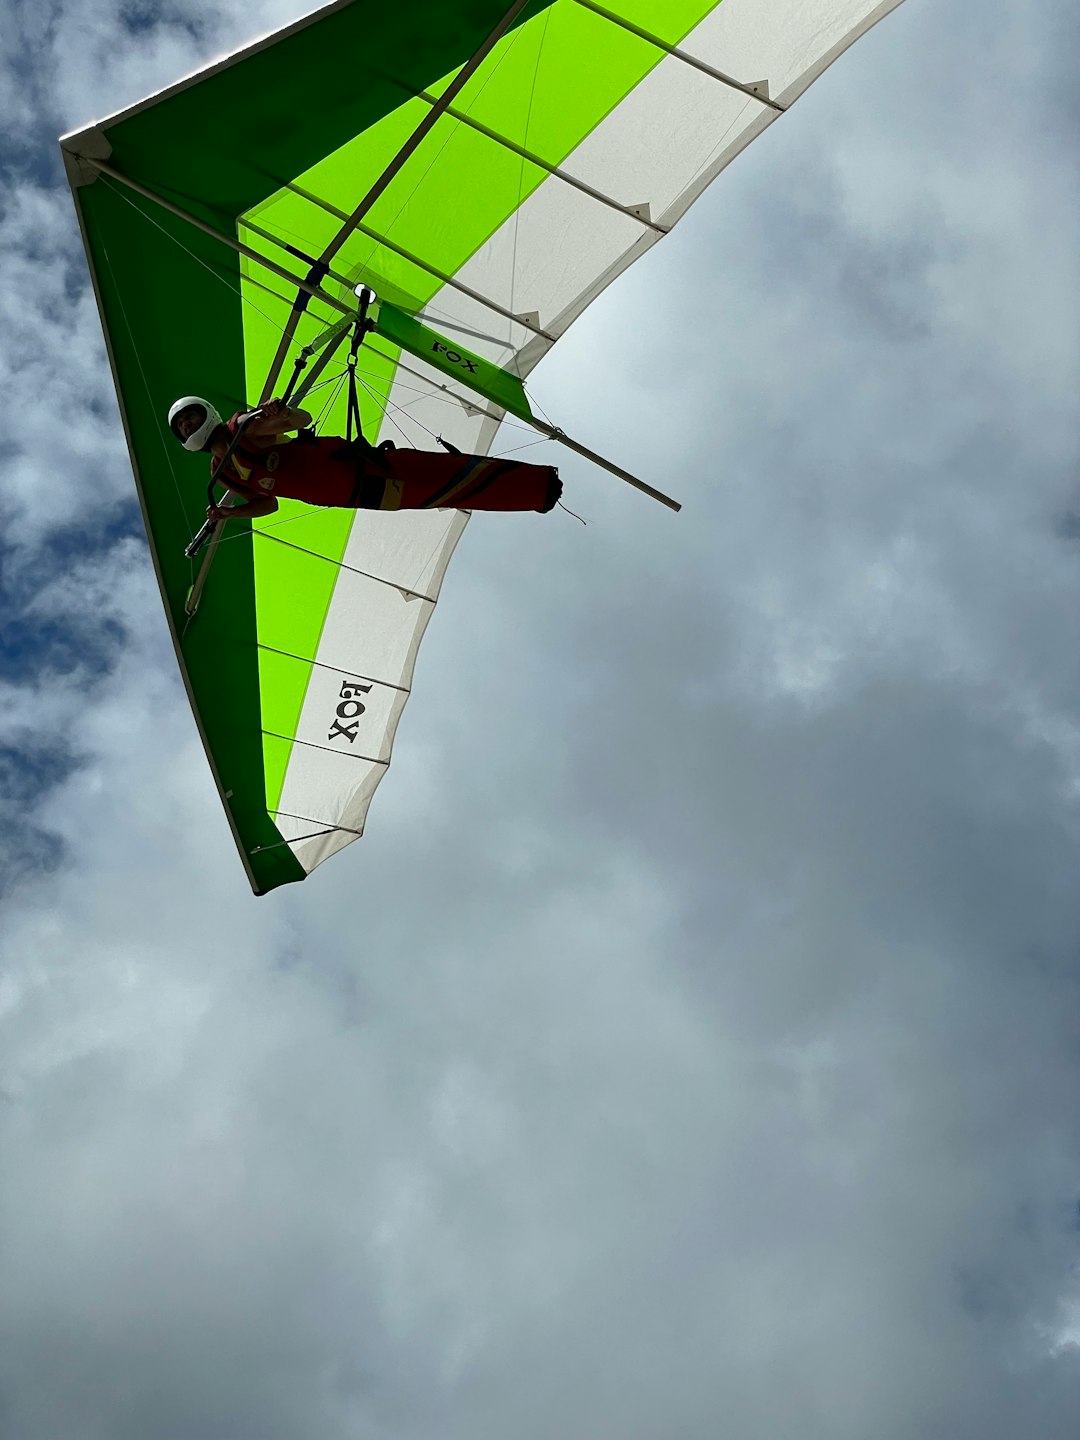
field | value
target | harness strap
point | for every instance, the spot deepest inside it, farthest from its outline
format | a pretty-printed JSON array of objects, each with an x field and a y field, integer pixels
[
  {"x": 372, "y": 471},
  {"x": 368, "y": 492},
  {"x": 362, "y": 326}
]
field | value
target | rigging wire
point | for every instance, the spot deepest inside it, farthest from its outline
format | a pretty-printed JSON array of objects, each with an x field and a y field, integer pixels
[
  {"x": 310, "y": 820},
  {"x": 321, "y": 384},
  {"x": 540, "y": 440},
  {"x": 217, "y": 274},
  {"x": 331, "y": 402},
  {"x": 387, "y": 405},
  {"x": 434, "y": 394},
  {"x": 511, "y": 41},
  {"x": 309, "y": 510},
  {"x": 237, "y": 289},
  {"x": 533, "y": 401},
  {"x": 384, "y": 404},
  {"x": 306, "y": 514},
  {"x": 246, "y": 299}
]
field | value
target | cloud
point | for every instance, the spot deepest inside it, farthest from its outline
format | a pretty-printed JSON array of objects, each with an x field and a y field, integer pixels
[{"x": 690, "y": 1044}]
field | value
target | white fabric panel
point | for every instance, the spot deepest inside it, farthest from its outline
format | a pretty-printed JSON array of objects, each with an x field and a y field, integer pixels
[
  {"x": 371, "y": 633},
  {"x": 690, "y": 116},
  {"x": 344, "y": 714},
  {"x": 372, "y": 629},
  {"x": 540, "y": 260},
  {"x": 661, "y": 146},
  {"x": 787, "y": 42},
  {"x": 376, "y": 629},
  {"x": 339, "y": 789}
]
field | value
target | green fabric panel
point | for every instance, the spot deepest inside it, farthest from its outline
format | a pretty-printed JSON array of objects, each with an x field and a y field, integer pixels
[
  {"x": 341, "y": 178},
  {"x": 292, "y": 601},
  {"x": 302, "y": 582},
  {"x": 223, "y": 144},
  {"x": 293, "y": 591},
  {"x": 140, "y": 269},
  {"x": 547, "y": 85},
  {"x": 283, "y": 681},
  {"x": 669, "y": 20},
  {"x": 298, "y": 583},
  {"x": 454, "y": 360},
  {"x": 216, "y": 148}
]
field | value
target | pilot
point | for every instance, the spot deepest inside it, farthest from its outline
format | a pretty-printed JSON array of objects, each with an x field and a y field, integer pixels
[{"x": 277, "y": 456}]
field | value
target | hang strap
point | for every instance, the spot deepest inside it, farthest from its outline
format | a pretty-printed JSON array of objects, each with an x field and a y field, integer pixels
[{"x": 363, "y": 325}]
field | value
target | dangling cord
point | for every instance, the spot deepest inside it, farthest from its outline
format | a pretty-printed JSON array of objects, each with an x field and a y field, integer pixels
[
  {"x": 570, "y": 512},
  {"x": 328, "y": 401},
  {"x": 385, "y": 405}
]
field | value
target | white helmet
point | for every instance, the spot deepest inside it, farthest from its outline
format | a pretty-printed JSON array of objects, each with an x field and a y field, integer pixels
[{"x": 198, "y": 438}]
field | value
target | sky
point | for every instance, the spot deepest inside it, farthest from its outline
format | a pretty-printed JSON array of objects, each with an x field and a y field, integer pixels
[{"x": 691, "y": 1047}]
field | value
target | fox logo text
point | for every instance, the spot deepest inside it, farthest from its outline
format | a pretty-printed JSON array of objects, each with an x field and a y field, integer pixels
[
  {"x": 350, "y": 708},
  {"x": 455, "y": 357}
]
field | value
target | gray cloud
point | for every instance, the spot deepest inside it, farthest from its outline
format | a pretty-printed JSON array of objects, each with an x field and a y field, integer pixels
[{"x": 690, "y": 1046}]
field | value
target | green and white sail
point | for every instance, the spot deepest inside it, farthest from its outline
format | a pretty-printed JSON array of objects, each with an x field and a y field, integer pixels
[{"x": 568, "y": 147}]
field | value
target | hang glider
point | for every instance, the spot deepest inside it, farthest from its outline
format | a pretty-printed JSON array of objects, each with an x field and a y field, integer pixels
[{"x": 486, "y": 171}]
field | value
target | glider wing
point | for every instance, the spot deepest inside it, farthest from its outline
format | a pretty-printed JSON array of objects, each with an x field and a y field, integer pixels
[{"x": 246, "y": 204}]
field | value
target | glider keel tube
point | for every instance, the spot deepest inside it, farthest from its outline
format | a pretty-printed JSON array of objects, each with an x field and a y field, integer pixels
[{"x": 554, "y": 433}]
